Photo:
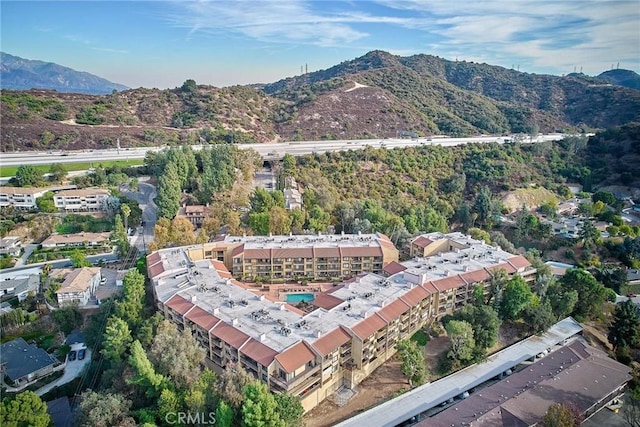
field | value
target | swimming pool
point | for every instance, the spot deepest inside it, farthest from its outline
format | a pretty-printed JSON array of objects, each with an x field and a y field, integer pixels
[{"x": 299, "y": 297}]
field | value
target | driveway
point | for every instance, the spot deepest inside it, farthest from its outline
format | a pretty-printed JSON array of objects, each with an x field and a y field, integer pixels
[
  {"x": 144, "y": 197},
  {"x": 73, "y": 370},
  {"x": 28, "y": 249}
]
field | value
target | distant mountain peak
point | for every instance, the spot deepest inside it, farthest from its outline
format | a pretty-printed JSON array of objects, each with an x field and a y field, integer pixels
[{"x": 22, "y": 74}]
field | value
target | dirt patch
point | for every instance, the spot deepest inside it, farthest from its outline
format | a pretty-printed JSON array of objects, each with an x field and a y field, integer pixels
[
  {"x": 432, "y": 351},
  {"x": 596, "y": 335},
  {"x": 383, "y": 384}
]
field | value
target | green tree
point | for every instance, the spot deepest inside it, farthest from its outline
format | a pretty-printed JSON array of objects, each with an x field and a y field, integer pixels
[
  {"x": 462, "y": 342},
  {"x": 130, "y": 307},
  {"x": 485, "y": 322},
  {"x": 169, "y": 403},
  {"x": 25, "y": 409},
  {"x": 79, "y": 259},
  {"x": 146, "y": 377},
  {"x": 126, "y": 212},
  {"x": 562, "y": 415},
  {"x": 177, "y": 355},
  {"x": 290, "y": 409},
  {"x": 516, "y": 296},
  {"x": 538, "y": 318},
  {"x": 625, "y": 328},
  {"x": 57, "y": 172},
  {"x": 259, "y": 408},
  {"x": 119, "y": 235},
  {"x": 591, "y": 294},
  {"x": 169, "y": 192},
  {"x": 27, "y": 176},
  {"x": 224, "y": 415},
  {"x": 117, "y": 338},
  {"x": 45, "y": 203},
  {"x": 413, "y": 363},
  {"x": 561, "y": 301},
  {"x": 231, "y": 383},
  {"x": 101, "y": 409},
  {"x": 485, "y": 207}
]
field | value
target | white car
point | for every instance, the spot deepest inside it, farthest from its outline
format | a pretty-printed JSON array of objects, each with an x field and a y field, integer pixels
[{"x": 103, "y": 281}]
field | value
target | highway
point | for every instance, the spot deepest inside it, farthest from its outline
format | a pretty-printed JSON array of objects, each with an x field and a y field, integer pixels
[{"x": 269, "y": 151}]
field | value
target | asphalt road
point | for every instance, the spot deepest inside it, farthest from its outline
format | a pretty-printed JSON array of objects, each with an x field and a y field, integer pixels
[
  {"x": 144, "y": 196},
  {"x": 266, "y": 150}
]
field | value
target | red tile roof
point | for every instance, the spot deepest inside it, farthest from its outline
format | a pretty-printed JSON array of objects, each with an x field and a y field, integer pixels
[
  {"x": 156, "y": 270},
  {"x": 361, "y": 251},
  {"x": 394, "y": 267},
  {"x": 394, "y": 310},
  {"x": 295, "y": 356},
  {"x": 259, "y": 352},
  {"x": 238, "y": 250},
  {"x": 257, "y": 254},
  {"x": 179, "y": 304},
  {"x": 227, "y": 333},
  {"x": 326, "y": 252},
  {"x": 519, "y": 262},
  {"x": 153, "y": 258},
  {"x": 332, "y": 340},
  {"x": 415, "y": 295},
  {"x": 326, "y": 301},
  {"x": 202, "y": 318},
  {"x": 368, "y": 326},
  {"x": 447, "y": 283},
  {"x": 476, "y": 276},
  {"x": 421, "y": 242},
  {"x": 502, "y": 266}
]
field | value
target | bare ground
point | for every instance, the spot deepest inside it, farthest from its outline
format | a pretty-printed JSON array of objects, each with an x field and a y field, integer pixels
[{"x": 381, "y": 385}]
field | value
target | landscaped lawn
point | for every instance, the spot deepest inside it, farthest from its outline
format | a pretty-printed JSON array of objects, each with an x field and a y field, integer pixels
[{"x": 8, "y": 171}]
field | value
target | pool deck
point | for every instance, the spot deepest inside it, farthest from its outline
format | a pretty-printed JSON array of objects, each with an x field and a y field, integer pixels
[{"x": 280, "y": 291}]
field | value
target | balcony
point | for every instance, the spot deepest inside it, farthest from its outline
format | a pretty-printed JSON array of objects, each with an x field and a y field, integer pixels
[{"x": 298, "y": 381}]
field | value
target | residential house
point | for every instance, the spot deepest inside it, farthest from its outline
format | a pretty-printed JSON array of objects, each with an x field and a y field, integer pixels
[
  {"x": 79, "y": 239},
  {"x": 21, "y": 198},
  {"x": 19, "y": 287},
  {"x": 21, "y": 363},
  {"x": 292, "y": 198},
  {"x": 195, "y": 214},
  {"x": 79, "y": 286},
  {"x": 11, "y": 246},
  {"x": 353, "y": 328},
  {"x": 81, "y": 200}
]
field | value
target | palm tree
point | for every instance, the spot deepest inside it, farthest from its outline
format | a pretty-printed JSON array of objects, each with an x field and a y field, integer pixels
[{"x": 126, "y": 211}]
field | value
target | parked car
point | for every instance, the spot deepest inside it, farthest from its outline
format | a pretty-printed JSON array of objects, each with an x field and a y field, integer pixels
[
  {"x": 103, "y": 280},
  {"x": 81, "y": 353},
  {"x": 72, "y": 356}
]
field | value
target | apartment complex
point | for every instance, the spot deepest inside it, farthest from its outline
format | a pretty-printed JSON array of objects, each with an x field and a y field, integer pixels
[
  {"x": 82, "y": 200},
  {"x": 353, "y": 328},
  {"x": 22, "y": 198},
  {"x": 330, "y": 256},
  {"x": 79, "y": 239}
]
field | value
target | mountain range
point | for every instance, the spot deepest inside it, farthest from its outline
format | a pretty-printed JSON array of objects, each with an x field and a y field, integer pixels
[
  {"x": 22, "y": 74},
  {"x": 377, "y": 95}
]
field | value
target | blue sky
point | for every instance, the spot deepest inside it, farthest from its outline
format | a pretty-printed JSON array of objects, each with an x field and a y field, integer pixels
[{"x": 224, "y": 42}]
